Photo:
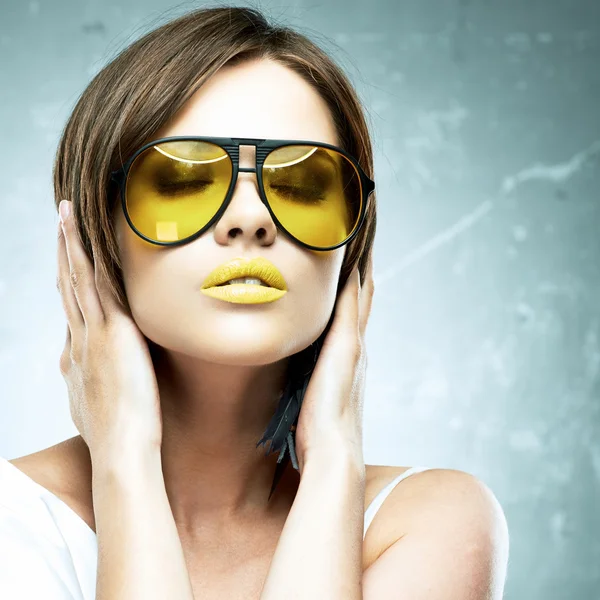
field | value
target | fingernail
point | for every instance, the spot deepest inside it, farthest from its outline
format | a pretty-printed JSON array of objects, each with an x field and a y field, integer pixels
[{"x": 64, "y": 209}]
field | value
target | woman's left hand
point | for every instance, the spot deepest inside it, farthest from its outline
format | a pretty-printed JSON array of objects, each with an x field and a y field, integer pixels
[{"x": 332, "y": 408}]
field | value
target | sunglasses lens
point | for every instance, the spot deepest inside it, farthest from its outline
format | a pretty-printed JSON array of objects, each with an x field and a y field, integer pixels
[
  {"x": 315, "y": 193},
  {"x": 175, "y": 188}
]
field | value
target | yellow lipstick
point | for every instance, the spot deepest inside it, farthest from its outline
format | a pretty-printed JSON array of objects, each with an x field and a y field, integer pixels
[{"x": 274, "y": 288}]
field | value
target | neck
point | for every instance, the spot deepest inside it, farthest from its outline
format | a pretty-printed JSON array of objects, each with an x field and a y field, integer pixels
[{"x": 213, "y": 416}]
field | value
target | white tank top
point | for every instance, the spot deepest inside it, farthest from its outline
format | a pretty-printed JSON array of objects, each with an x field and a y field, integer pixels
[
  {"x": 48, "y": 551},
  {"x": 384, "y": 493}
]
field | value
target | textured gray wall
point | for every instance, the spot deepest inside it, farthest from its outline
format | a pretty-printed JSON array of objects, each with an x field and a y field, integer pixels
[{"x": 484, "y": 343}]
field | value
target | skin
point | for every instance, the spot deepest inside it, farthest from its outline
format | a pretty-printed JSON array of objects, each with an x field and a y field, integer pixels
[{"x": 223, "y": 365}]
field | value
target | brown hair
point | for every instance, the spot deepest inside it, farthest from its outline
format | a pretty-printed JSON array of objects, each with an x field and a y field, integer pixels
[{"x": 148, "y": 82}]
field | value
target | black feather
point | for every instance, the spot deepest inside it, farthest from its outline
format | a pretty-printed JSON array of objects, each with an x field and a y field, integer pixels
[{"x": 279, "y": 430}]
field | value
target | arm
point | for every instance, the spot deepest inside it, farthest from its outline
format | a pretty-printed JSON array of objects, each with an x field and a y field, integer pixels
[
  {"x": 454, "y": 544},
  {"x": 115, "y": 405},
  {"x": 139, "y": 551},
  {"x": 319, "y": 554},
  {"x": 455, "y": 548}
]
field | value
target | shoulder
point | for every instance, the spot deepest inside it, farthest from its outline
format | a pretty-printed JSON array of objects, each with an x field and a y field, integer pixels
[
  {"x": 437, "y": 504},
  {"x": 65, "y": 471},
  {"x": 61, "y": 468},
  {"x": 439, "y": 496}
]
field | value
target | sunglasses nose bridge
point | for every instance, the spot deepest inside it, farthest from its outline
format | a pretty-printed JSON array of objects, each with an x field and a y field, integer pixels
[
  {"x": 248, "y": 153},
  {"x": 246, "y": 156}
]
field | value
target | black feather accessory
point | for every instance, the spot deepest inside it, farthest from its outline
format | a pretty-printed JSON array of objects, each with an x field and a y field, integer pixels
[{"x": 281, "y": 430}]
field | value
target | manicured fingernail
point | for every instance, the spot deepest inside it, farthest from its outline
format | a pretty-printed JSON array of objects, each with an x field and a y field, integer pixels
[{"x": 64, "y": 209}]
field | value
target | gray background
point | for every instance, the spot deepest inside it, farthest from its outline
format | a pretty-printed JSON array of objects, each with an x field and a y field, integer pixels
[{"x": 484, "y": 349}]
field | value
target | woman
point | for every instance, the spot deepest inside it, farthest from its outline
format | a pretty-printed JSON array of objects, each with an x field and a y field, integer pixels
[{"x": 214, "y": 264}]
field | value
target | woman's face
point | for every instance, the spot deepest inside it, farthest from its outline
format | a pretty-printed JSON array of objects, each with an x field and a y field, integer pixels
[{"x": 258, "y": 99}]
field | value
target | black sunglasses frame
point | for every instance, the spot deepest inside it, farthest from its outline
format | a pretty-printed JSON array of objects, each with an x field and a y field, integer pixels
[{"x": 232, "y": 146}]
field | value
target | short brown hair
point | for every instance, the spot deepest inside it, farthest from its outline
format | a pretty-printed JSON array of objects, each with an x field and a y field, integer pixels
[{"x": 149, "y": 81}]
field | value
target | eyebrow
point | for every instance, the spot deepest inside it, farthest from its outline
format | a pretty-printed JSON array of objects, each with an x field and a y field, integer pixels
[{"x": 326, "y": 156}]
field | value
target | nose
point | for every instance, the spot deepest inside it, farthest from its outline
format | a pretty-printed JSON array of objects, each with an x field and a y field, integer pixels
[
  {"x": 246, "y": 219},
  {"x": 247, "y": 159}
]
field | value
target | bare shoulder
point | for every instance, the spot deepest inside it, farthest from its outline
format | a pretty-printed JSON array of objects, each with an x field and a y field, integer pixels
[
  {"x": 435, "y": 502},
  {"x": 64, "y": 470},
  {"x": 58, "y": 467}
]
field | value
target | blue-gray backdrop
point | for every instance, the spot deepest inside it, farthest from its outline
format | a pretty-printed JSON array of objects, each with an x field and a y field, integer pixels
[{"x": 484, "y": 341}]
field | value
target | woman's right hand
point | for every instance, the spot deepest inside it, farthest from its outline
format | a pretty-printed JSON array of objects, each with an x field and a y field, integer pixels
[{"x": 106, "y": 363}]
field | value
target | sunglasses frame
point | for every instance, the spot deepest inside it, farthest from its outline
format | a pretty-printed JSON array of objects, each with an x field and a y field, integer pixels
[{"x": 232, "y": 146}]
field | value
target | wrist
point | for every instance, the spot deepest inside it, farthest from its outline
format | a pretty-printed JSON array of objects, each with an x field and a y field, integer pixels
[
  {"x": 334, "y": 452},
  {"x": 125, "y": 457}
]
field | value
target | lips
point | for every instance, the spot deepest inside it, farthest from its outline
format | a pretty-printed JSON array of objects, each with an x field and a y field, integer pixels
[{"x": 258, "y": 267}]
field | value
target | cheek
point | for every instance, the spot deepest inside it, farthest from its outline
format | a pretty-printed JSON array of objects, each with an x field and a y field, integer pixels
[
  {"x": 146, "y": 278},
  {"x": 323, "y": 297},
  {"x": 145, "y": 293},
  {"x": 312, "y": 307}
]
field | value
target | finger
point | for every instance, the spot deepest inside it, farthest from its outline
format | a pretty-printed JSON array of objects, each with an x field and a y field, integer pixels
[
  {"x": 366, "y": 296},
  {"x": 69, "y": 301},
  {"x": 109, "y": 302},
  {"x": 346, "y": 312},
  {"x": 82, "y": 275},
  {"x": 65, "y": 357}
]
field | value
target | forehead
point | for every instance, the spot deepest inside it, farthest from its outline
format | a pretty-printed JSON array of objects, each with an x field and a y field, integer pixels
[{"x": 255, "y": 99}]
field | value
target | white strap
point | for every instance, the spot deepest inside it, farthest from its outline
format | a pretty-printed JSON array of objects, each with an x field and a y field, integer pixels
[{"x": 384, "y": 493}]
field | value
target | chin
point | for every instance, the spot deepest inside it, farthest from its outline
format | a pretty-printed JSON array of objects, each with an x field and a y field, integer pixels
[{"x": 246, "y": 348}]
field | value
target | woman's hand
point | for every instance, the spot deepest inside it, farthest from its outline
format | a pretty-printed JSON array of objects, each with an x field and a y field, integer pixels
[
  {"x": 113, "y": 392},
  {"x": 332, "y": 408}
]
